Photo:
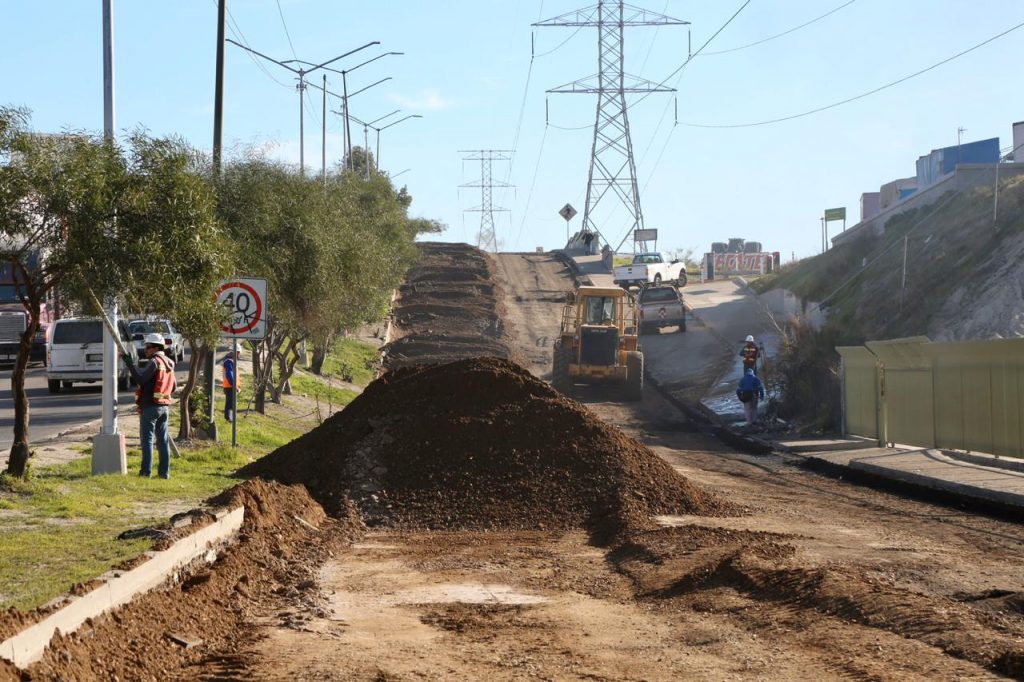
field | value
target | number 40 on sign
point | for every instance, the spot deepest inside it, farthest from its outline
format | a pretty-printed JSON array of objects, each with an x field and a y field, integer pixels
[{"x": 245, "y": 306}]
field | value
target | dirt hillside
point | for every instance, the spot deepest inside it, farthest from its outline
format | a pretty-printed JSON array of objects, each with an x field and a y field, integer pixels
[
  {"x": 448, "y": 307},
  {"x": 964, "y": 273}
]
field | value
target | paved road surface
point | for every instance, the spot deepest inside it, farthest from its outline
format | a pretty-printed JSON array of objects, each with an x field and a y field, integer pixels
[{"x": 53, "y": 414}]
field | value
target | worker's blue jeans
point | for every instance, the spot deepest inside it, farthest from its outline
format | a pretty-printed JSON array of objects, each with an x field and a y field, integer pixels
[{"x": 153, "y": 422}]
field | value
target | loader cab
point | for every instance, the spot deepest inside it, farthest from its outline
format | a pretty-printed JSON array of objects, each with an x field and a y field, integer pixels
[{"x": 599, "y": 310}]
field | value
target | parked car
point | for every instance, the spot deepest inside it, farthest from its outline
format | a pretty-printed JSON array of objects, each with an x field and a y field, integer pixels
[
  {"x": 173, "y": 341},
  {"x": 650, "y": 268},
  {"x": 661, "y": 306},
  {"x": 74, "y": 353}
]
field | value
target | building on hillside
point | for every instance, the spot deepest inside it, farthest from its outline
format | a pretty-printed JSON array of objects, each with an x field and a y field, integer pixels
[
  {"x": 895, "y": 191},
  {"x": 1018, "y": 142},
  {"x": 941, "y": 162},
  {"x": 869, "y": 205}
]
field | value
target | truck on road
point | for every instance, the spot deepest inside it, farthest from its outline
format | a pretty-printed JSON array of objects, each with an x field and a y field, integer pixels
[
  {"x": 661, "y": 306},
  {"x": 14, "y": 317},
  {"x": 650, "y": 268}
]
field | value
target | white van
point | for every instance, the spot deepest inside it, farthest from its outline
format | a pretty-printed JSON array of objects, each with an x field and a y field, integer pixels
[{"x": 74, "y": 353}]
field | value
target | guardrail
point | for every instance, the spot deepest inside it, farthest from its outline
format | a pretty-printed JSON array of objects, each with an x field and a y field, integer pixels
[{"x": 958, "y": 396}]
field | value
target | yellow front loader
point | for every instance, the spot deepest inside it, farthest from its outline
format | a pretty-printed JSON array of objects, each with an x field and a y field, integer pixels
[{"x": 599, "y": 342}]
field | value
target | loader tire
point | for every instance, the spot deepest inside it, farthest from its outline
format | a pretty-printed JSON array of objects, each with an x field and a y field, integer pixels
[
  {"x": 561, "y": 379},
  {"x": 634, "y": 375}
]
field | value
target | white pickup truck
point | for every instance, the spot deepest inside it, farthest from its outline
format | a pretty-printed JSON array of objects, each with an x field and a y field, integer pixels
[{"x": 650, "y": 268}]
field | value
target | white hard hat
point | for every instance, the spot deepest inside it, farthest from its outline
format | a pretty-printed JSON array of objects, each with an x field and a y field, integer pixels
[
  {"x": 154, "y": 339},
  {"x": 750, "y": 339}
]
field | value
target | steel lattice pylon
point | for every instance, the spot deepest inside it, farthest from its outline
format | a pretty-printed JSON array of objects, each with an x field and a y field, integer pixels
[
  {"x": 612, "y": 167},
  {"x": 486, "y": 238}
]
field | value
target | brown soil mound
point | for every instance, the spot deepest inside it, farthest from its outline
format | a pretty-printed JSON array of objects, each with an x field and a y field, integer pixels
[
  {"x": 448, "y": 308},
  {"x": 275, "y": 557},
  {"x": 482, "y": 444}
]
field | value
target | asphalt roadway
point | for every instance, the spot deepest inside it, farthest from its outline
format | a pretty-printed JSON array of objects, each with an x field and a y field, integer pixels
[{"x": 52, "y": 414}]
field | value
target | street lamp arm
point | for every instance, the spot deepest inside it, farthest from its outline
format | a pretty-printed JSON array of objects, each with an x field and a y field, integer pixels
[
  {"x": 342, "y": 113},
  {"x": 383, "y": 117},
  {"x": 353, "y": 94},
  {"x": 342, "y": 56},
  {"x": 351, "y": 69},
  {"x": 399, "y": 121},
  {"x": 323, "y": 89},
  {"x": 260, "y": 54}
]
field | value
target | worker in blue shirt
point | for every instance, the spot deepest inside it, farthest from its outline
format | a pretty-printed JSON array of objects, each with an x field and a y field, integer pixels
[
  {"x": 230, "y": 383},
  {"x": 749, "y": 392}
]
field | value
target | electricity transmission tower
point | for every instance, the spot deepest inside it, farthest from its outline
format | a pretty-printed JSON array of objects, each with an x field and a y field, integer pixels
[
  {"x": 486, "y": 238},
  {"x": 612, "y": 168}
]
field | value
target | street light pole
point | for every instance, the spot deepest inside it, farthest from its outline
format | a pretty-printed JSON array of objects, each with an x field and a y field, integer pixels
[
  {"x": 108, "y": 452},
  {"x": 344, "y": 100},
  {"x": 302, "y": 73},
  {"x": 388, "y": 126}
]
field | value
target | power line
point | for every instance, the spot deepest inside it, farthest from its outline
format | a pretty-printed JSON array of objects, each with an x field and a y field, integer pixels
[
  {"x": 784, "y": 33},
  {"x": 288, "y": 35},
  {"x": 533, "y": 183},
  {"x": 561, "y": 44},
  {"x": 862, "y": 95},
  {"x": 236, "y": 30}
]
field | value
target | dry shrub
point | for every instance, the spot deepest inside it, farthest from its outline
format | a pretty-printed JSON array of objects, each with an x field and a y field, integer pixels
[{"x": 807, "y": 372}]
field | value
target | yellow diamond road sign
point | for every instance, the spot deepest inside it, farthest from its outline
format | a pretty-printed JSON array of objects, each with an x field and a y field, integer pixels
[{"x": 567, "y": 212}]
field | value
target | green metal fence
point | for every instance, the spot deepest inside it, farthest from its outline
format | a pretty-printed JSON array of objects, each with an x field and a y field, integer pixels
[{"x": 965, "y": 396}]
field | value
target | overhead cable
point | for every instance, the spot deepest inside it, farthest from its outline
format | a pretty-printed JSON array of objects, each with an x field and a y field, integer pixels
[
  {"x": 860, "y": 96},
  {"x": 784, "y": 33}
]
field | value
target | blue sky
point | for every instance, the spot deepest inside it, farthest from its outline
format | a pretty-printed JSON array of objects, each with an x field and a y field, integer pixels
[{"x": 467, "y": 70}]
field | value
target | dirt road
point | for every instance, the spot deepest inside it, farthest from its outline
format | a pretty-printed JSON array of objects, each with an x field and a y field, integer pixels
[
  {"x": 821, "y": 580},
  {"x": 809, "y": 578}
]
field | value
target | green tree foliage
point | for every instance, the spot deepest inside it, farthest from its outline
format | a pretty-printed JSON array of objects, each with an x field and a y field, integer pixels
[
  {"x": 332, "y": 251},
  {"x": 181, "y": 254},
  {"x": 82, "y": 216}
]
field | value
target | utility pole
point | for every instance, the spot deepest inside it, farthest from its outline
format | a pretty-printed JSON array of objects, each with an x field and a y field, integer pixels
[
  {"x": 959, "y": 137},
  {"x": 486, "y": 238},
  {"x": 210, "y": 361},
  {"x": 108, "y": 452},
  {"x": 612, "y": 166},
  {"x": 323, "y": 147}
]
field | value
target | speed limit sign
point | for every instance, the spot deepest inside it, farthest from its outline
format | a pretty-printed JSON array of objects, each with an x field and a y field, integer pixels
[{"x": 245, "y": 308}]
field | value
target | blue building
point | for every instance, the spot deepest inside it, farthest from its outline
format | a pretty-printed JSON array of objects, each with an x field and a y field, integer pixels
[{"x": 940, "y": 162}]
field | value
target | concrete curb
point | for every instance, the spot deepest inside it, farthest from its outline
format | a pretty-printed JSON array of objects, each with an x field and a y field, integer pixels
[
  {"x": 119, "y": 588},
  {"x": 1001, "y": 497},
  {"x": 991, "y": 461}
]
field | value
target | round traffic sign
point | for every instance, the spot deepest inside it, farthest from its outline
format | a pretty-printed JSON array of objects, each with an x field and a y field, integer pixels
[{"x": 244, "y": 307}]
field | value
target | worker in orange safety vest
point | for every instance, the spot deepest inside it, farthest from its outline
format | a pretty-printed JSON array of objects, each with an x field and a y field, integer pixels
[
  {"x": 155, "y": 393},
  {"x": 750, "y": 353}
]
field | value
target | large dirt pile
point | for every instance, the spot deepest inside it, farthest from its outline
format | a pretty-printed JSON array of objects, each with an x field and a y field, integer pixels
[
  {"x": 481, "y": 444},
  {"x": 283, "y": 539},
  {"x": 448, "y": 308}
]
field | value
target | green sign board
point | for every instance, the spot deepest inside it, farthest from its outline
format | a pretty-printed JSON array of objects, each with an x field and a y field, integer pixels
[{"x": 835, "y": 213}]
